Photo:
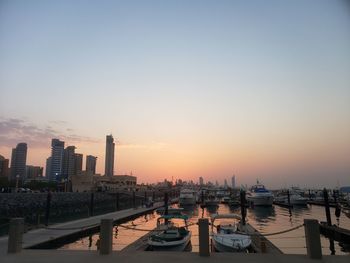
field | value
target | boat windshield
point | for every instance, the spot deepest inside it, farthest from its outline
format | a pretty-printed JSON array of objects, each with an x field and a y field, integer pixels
[{"x": 259, "y": 189}]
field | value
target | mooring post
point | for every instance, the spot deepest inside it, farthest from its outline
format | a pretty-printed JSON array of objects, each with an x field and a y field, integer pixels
[
  {"x": 243, "y": 208},
  {"x": 106, "y": 236},
  {"x": 154, "y": 196},
  {"x": 145, "y": 198},
  {"x": 312, "y": 238},
  {"x": 47, "y": 210},
  {"x": 92, "y": 204},
  {"x": 203, "y": 230},
  {"x": 166, "y": 200},
  {"x": 288, "y": 196},
  {"x": 326, "y": 205},
  {"x": 15, "y": 235},
  {"x": 133, "y": 199},
  {"x": 117, "y": 200}
]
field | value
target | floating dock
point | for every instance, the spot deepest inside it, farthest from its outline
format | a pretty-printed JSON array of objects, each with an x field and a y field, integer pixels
[{"x": 56, "y": 235}]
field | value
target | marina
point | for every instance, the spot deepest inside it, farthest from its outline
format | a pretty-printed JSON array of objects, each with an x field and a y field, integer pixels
[{"x": 265, "y": 220}]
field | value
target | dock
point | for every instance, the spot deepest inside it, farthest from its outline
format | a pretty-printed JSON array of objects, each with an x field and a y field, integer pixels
[
  {"x": 337, "y": 233},
  {"x": 321, "y": 203},
  {"x": 59, "y": 256},
  {"x": 56, "y": 235},
  {"x": 260, "y": 244},
  {"x": 282, "y": 204}
]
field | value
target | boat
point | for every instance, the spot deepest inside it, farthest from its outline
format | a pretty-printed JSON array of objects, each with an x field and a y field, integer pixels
[
  {"x": 171, "y": 210},
  {"x": 187, "y": 197},
  {"x": 295, "y": 198},
  {"x": 227, "y": 238},
  {"x": 169, "y": 236},
  {"x": 211, "y": 200},
  {"x": 346, "y": 210},
  {"x": 259, "y": 196}
]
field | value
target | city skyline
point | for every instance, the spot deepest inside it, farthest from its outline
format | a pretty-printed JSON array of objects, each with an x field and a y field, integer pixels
[{"x": 190, "y": 88}]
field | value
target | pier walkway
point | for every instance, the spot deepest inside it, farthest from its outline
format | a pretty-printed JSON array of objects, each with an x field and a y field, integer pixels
[
  {"x": 55, "y": 234},
  {"x": 67, "y": 256}
]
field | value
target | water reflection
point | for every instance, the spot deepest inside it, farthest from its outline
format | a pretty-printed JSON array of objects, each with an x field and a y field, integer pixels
[{"x": 262, "y": 214}]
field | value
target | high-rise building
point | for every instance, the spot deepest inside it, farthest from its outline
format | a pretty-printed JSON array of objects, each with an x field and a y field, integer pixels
[
  {"x": 57, "y": 153},
  {"x": 18, "y": 161},
  {"x": 233, "y": 181},
  {"x": 48, "y": 168},
  {"x": 68, "y": 167},
  {"x": 201, "y": 181},
  {"x": 4, "y": 167},
  {"x": 91, "y": 164},
  {"x": 33, "y": 172},
  {"x": 225, "y": 183},
  {"x": 78, "y": 163},
  {"x": 109, "y": 162}
]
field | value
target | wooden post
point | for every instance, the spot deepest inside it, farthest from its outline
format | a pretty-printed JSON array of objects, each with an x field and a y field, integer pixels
[
  {"x": 47, "y": 211},
  {"x": 117, "y": 201},
  {"x": 288, "y": 196},
  {"x": 326, "y": 205},
  {"x": 166, "y": 203},
  {"x": 243, "y": 208},
  {"x": 133, "y": 199},
  {"x": 203, "y": 231},
  {"x": 15, "y": 235},
  {"x": 312, "y": 238},
  {"x": 92, "y": 204},
  {"x": 106, "y": 236}
]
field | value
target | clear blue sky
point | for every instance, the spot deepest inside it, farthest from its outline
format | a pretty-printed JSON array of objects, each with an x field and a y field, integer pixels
[{"x": 189, "y": 88}]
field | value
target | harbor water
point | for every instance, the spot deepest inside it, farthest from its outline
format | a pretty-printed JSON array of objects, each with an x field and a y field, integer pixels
[{"x": 266, "y": 220}]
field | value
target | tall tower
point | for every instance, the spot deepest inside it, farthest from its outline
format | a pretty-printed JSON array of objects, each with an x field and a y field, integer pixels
[
  {"x": 68, "y": 168},
  {"x": 18, "y": 161},
  {"x": 57, "y": 152},
  {"x": 78, "y": 163},
  {"x": 91, "y": 164},
  {"x": 109, "y": 162},
  {"x": 233, "y": 181}
]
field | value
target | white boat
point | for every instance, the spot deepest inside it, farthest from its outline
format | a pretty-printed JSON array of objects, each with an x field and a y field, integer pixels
[
  {"x": 211, "y": 200},
  {"x": 169, "y": 236},
  {"x": 259, "y": 196},
  {"x": 187, "y": 197},
  {"x": 294, "y": 197},
  {"x": 226, "y": 238}
]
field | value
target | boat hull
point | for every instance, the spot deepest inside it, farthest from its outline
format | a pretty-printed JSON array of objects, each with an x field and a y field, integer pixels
[
  {"x": 178, "y": 245},
  {"x": 263, "y": 200},
  {"x": 220, "y": 246}
]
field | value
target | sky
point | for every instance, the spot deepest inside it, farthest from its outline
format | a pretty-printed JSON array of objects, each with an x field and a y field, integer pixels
[{"x": 259, "y": 89}]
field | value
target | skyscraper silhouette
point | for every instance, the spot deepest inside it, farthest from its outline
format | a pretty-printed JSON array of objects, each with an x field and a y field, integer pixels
[
  {"x": 18, "y": 161},
  {"x": 57, "y": 151},
  {"x": 109, "y": 161},
  {"x": 91, "y": 164}
]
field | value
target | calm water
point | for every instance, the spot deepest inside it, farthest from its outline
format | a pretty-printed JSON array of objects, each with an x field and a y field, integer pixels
[{"x": 265, "y": 219}]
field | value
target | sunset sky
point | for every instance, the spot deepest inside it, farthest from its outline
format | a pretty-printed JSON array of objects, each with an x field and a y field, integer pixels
[{"x": 260, "y": 89}]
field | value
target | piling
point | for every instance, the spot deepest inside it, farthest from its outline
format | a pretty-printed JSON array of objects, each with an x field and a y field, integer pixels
[
  {"x": 288, "y": 196},
  {"x": 106, "y": 236},
  {"x": 92, "y": 204},
  {"x": 15, "y": 235},
  {"x": 312, "y": 238},
  {"x": 117, "y": 201},
  {"x": 47, "y": 210},
  {"x": 203, "y": 231},
  {"x": 243, "y": 208},
  {"x": 166, "y": 200},
  {"x": 133, "y": 199},
  {"x": 326, "y": 205}
]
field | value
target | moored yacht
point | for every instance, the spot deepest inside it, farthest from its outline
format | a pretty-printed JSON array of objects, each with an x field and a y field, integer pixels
[
  {"x": 187, "y": 197},
  {"x": 260, "y": 196}
]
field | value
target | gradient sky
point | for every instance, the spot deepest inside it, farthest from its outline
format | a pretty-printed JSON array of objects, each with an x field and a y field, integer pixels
[{"x": 260, "y": 89}]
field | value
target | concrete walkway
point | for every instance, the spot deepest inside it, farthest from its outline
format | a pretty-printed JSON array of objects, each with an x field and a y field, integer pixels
[
  {"x": 59, "y": 256},
  {"x": 73, "y": 228}
]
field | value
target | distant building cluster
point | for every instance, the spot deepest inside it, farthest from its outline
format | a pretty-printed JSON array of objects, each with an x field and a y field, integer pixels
[{"x": 64, "y": 165}]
